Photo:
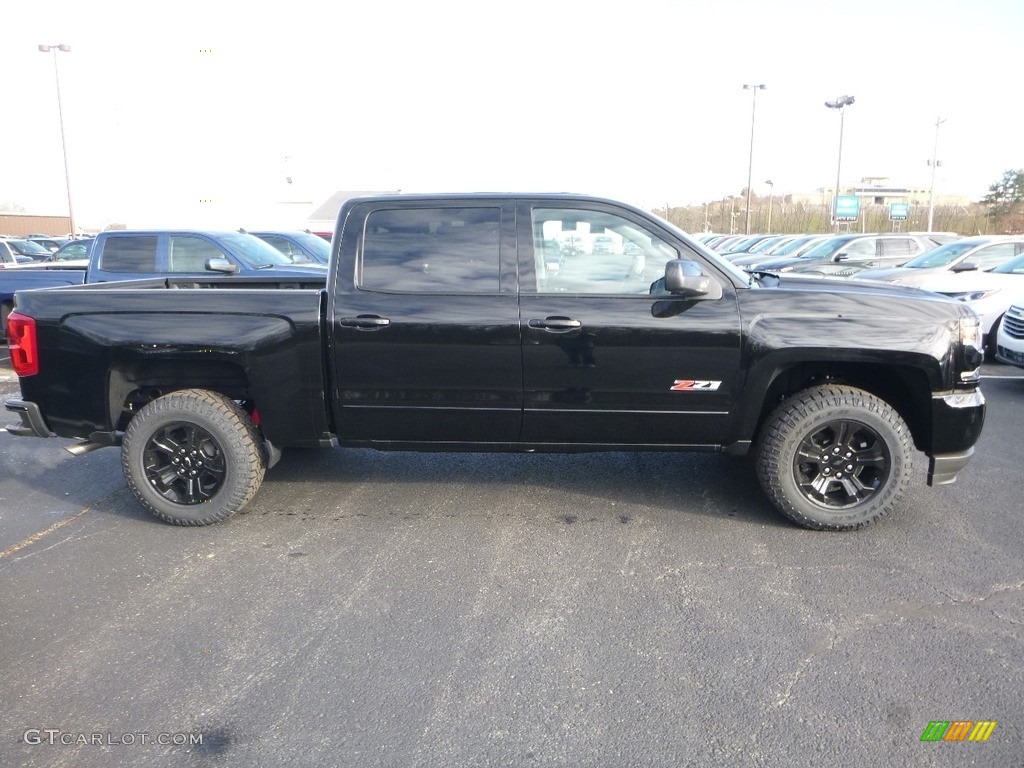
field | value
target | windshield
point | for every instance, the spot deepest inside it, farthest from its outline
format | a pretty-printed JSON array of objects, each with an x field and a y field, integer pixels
[
  {"x": 253, "y": 252},
  {"x": 826, "y": 249},
  {"x": 942, "y": 256},
  {"x": 792, "y": 245},
  {"x": 722, "y": 263},
  {"x": 765, "y": 244},
  {"x": 1012, "y": 267},
  {"x": 320, "y": 247},
  {"x": 719, "y": 261},
  {"x": 28, "y": 248}
]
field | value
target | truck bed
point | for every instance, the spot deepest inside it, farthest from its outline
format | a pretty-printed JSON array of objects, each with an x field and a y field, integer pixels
[{"x": 257, "y": 339}]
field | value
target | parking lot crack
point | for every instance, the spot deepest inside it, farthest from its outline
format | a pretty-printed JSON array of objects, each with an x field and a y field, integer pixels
[
  {"x": 818, "y": 649},
  {"x": 40, "y": 535}
]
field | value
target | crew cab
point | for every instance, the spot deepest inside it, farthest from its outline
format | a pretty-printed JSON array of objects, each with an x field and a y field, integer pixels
[
  {"x": 444, "y": 327},
  {"x": 134, "y": 254}
]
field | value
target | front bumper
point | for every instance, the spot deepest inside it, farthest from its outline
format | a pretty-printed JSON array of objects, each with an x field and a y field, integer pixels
[
  {"x": 957, "y": 420},
  {"x": 32, "y": 422}
]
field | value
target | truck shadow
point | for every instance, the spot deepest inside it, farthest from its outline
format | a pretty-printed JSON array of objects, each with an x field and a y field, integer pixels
[{"x": 573, "y": 487}]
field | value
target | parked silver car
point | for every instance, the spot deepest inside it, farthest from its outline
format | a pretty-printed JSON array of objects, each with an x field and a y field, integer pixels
[{"x": 967, "y": 255}]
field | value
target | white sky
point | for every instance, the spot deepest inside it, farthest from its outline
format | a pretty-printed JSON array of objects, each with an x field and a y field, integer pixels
[{"x": 169, "y": 104}]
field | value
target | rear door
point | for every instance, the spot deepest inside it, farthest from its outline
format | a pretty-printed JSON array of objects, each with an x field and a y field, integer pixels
[
  {"x": 425, "y": 323},
  {"x": 609, "y": 357}
]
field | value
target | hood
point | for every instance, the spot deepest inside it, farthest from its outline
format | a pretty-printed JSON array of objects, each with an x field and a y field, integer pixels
[
  {"x": 972, "y": 281},
  {"x": 901, "y": 275}
]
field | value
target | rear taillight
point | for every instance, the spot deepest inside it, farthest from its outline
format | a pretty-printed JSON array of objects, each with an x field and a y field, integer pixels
[{"x": 21, "y": 338}]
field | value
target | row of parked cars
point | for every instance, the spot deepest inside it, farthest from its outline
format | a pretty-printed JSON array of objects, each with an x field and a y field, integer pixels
[
  {"x": 298, "y": 246},
  {"x": 986, "y": 271}
]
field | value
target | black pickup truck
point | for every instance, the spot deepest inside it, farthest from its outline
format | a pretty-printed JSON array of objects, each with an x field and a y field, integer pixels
[{"x": 506, "y": 323}]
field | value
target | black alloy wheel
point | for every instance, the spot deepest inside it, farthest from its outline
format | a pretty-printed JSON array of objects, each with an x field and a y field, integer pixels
[
  {"x": 184, "y": 463},
  {"x": 841, "y": 464}
]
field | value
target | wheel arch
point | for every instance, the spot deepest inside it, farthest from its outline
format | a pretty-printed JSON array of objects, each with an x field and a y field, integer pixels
[
  {"x": 904, "y": 387},
  {"x": 133, "y": 385}
]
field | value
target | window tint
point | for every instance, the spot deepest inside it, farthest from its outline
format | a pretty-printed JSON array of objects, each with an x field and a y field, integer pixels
[
  {"x": 431, "y": 250},
  {"x": 131, "y": 253},
  {"x": 190, "y": 254},
  {"x": 582, "y": 251}
]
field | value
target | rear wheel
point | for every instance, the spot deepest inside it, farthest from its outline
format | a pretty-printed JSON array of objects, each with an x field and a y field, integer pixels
[
  {"x": 835, "y": 458},
  {"x": 192, "y": 457}
]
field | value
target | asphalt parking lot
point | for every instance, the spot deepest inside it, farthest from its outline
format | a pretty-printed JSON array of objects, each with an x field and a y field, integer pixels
[{"x": 621, "y": 609}]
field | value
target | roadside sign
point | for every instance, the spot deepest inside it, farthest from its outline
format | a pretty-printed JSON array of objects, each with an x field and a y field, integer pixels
[
  {"x": 846, "y": 207},
  {"x": 899, "y": 211}
]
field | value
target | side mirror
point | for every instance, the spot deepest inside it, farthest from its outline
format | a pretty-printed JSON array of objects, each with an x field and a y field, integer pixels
[
  {"x": 965, "y": 266},
  {"x": 841, "y": 256},
  {"x": 221, "y": 265},
  {"x": 687, "y": 279}
]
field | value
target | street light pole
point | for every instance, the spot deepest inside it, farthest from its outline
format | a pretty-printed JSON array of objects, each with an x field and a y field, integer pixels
[
  {"x": 931, "y": 190},
  {"x": 755, "y": 87},
  {"x": 771, "y": 189},
  {"x": 60, "y": 113},
  {"x": 840, "y": 103}
]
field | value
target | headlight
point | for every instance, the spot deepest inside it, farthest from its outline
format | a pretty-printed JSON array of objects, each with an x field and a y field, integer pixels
[
  {"x": 974, "y": 295},
  {"x": 972, "y": 348}
]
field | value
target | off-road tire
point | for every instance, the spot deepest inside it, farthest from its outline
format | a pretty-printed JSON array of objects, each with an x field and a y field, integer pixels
[
  {"x": 192, "y": 457},
  {"x": 835, "y": 458}
]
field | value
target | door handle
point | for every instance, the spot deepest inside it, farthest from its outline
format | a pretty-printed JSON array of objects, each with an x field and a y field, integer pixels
[
  {"x": 556, "y": 324},
  {"x": 366, "y": 322}
]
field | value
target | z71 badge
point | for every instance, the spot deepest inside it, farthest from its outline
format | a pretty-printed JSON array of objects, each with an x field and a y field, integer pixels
[{"x": 685, "y": 385}]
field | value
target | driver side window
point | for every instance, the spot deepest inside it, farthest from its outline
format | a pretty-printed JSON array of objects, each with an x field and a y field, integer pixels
[{"x": 583, "y": 251}]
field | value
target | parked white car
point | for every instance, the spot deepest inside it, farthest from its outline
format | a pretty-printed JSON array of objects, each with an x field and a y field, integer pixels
[
  {"x": 1010, "y": 337},
  {"x": 989, "y": 294},
  {"x": 968, "y": 255}
]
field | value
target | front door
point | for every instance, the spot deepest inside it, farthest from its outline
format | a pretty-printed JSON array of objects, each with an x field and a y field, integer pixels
[{"x": 609, "y": 357}]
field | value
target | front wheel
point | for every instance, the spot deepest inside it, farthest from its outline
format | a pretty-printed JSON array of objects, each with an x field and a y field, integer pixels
[
  {"x": 835, "y": 458},
  {"x": 192, "y": 457}
]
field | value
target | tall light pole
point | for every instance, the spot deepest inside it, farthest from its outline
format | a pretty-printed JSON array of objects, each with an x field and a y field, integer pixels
[
  {"x": 840, "y": 103},
  {"x": 60, "y": 113},
  {"x": 754, "y": 87},
  {"x": 771, "y": 189},
  {"x": 935, "y": 162}
]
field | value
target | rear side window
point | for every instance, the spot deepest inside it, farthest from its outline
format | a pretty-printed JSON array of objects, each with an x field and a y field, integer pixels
[
  {"x": 131, "y": 253},
  {"x": 899, "y": 246},
  {"x": 431, "y": 250}
]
